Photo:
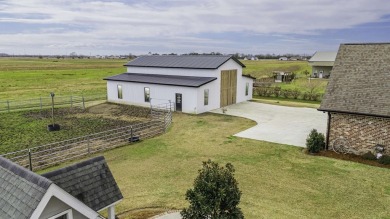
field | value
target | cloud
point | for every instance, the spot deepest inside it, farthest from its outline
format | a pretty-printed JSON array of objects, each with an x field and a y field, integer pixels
[{"x": 176, "y": 23}]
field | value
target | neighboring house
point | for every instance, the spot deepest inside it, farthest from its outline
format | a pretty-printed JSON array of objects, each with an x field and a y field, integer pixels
[
  {"x": 79, "y": 191},
  {"x": 357, "y": 97},
  {"x": 322, "y": 64},
  {"x": 283, "y": 59},
  {"x": 196, "y": 84}
]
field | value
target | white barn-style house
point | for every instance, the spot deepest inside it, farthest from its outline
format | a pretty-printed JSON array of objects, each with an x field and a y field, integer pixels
[{"x": 196, "y": 84}]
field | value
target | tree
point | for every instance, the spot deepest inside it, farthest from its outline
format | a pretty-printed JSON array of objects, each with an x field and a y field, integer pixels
[
  {"x": 315, "y": 142},
  {"x": 215, "y": 194}
]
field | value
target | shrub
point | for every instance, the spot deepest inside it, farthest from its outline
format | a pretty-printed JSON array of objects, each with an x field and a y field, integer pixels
[
  {"x": 315, "y": 142},
  {"x": 314, "y": 96},
  {"x": 369, "y": 156},
  {"x": 276, "y": 91},
  {"x": 286, "y": 93},
  {"x": 295, "y": 93},
  {"x": 215, "y": 193},
  {"x": 385, "y": 159},
  {"x": 306, "y": 96}
]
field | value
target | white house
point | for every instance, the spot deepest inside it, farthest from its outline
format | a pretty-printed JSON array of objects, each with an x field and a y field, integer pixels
[
  {"x": 283, "y": 58},
  {"x": 79, "y": 191},
  {"x": 322, "y": 64},
  {"x": 196, "y": 84}
]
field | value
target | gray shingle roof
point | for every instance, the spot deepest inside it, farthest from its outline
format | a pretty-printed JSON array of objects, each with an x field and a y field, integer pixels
[
  {"x": 90, "y": 181},
  {"x": 183, "y": 61},
  {"x": 360, "y": 80},
  {"x": 323, "y": 57},
  {"x": 186, "y": 81},
  {"x": 21, "y": 190}
]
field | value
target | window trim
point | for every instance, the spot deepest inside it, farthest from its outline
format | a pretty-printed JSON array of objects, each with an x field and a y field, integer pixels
[
  {"x": 119, "y": 89},
  {"x": 147, "y": 95},
  {"x": 206, "y": 96},
  {"x": 68, "y": 213}
]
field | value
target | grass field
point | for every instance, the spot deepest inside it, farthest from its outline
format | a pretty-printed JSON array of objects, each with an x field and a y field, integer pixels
[
  {"x": 280, "y": 101},
  {"x": 277, "y": 181},
  {"x": 264, "y": 68},
  {"x": 22, "y": 78}
]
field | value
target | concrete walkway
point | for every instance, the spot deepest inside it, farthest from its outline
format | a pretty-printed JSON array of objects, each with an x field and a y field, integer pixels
[
  {"x": 174, "y": 215},
  {"x": 279, "y": 124}
]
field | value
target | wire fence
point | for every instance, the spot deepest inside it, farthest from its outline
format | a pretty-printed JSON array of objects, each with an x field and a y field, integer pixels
[
  {"x": 46, "y": 102},
  {"x": 56, "y": 153}
]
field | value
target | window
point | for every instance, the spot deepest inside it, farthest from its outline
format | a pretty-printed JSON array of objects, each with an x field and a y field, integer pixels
[
  {"x": 147, "y": 94},
  {"x": 120, "y": 91},
  {"x": 246, "y": 89},
  {"x": 68, "y": 214},
  {"x": 206, "y": 97}
]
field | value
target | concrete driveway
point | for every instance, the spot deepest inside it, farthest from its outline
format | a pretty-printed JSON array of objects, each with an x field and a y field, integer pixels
[{"x": 279, "y": 124}]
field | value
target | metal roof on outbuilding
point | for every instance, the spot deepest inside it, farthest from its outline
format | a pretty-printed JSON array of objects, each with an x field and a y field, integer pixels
[
  {"x": 323, "y": 57},
  {"x": 21, "y": 190},
  {"x": 175, "y": 80},
  {"x": 182, "y": 61}
]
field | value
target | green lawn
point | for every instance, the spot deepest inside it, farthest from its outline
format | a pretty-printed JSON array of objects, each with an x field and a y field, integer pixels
[
  {"x": 280, "y": 101},
  {"x": 277, "y": 181},
  {"x": 264, "y": 68},
  {"x": 22, "y": 78}
]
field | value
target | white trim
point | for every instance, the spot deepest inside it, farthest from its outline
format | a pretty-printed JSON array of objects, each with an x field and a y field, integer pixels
[
  {"x": 115, "y": 203},
  {"x": 68, "y": 213},
  {"x": 65, "y": 197}
]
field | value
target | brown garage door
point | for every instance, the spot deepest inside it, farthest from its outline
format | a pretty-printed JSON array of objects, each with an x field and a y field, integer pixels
[{"x": 228, "y": 87}]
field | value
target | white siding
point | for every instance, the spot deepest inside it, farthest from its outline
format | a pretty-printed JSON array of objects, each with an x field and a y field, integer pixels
[
  {"x": 133, "y": 93},
  {"x": 56, "y": 206}
]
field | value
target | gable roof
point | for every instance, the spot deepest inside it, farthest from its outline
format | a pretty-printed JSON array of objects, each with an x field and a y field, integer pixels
[
  {"x": 360, "y": 80},
  {"x": 175, "y": 80},
  {"x": 323, "y": 57},
  {"x": 21, "y": 190},
  {"x": 182, "y": 61},
  {"x": 90, "y": 181}
]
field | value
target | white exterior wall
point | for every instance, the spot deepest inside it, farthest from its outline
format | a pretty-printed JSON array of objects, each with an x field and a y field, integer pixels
[
  {"x": 193, "y": 98},
  {"x": 133, "y": 93}
]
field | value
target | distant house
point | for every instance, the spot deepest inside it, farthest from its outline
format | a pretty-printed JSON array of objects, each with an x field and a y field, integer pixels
[
  {"x": 79, "y": 191},
  {"x": 283, "y": 59},
  {"x": 281, "y": 76},
  {"x": 357, "y": 98},
  {"x": 322, "y": 64},
  {"x": 196, "y": 84}
]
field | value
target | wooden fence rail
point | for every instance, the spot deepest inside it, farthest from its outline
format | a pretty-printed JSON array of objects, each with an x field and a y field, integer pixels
[{"x": 55, "y": 153}]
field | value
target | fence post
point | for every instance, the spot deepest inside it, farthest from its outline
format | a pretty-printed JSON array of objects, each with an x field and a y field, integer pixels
[
  {"x": 29, "y": 159},
  {"x": 83, "y": 102},
  {"x": 40, "y": 103},
  {"x": 8, "y": 106},
  {"x": 131, "y": 134}
]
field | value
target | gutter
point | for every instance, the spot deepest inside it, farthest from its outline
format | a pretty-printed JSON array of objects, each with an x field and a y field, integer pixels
[{"x": 354, "y": 113}]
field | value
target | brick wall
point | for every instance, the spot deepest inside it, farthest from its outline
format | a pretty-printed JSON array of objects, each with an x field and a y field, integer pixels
[{"x": 362, "y": 132}]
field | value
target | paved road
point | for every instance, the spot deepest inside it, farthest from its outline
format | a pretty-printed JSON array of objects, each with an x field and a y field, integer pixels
[{"x": 279, "y": 124}]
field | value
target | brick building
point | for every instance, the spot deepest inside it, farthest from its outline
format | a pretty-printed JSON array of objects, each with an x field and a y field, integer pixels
[{"x": 357, "y": 98}]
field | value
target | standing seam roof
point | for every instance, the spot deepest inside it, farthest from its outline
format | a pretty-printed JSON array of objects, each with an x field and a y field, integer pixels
[{"x": 183, "y": 61}]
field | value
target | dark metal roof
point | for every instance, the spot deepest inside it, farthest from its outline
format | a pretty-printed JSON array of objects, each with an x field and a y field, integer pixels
[
  {"x": 21, "y": 190},
  {"x": 175, "y": 80},
  {"x": 90, "y": 181},
  {"x": 183, "y": 61},
  {"x": 360, "y": 80}
]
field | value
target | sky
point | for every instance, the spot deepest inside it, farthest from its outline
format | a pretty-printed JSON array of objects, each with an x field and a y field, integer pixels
[{"x": 99, "y": 27}]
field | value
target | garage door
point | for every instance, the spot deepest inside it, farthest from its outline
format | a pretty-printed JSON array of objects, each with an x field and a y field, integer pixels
[{"x": 228, "y": 87}]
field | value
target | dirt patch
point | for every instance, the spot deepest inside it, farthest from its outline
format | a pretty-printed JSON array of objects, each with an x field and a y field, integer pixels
[
  {"x": 352, "y": 157},
  {"x": 119, "y": 110}
]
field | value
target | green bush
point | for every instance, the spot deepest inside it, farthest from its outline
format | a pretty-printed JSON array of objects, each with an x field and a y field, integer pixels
[
  {"x": 276, "y": 91},
  {"x": 315, "y": 142},
  {"x": 369, "y": 156},
  {"x": 385, "y": 159},
  {"x": 215, "y": 194},
  {"x": 295, "y": 93},
  {"x": 286, "y": 93}
]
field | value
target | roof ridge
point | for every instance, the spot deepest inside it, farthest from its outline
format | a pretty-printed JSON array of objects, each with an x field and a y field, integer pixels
[
  {"x": 73, "y": 167},
  {"x": 24, "y": 173}
]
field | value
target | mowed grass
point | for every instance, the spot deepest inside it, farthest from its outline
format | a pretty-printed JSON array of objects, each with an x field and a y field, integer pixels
[
  {"x": 264, "y": 68},
  {"x": 277, "y": 181},
  {"x": 23, "y": 78}
]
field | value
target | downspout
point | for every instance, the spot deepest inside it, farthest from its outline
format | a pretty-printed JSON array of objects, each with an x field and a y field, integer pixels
[{"x": 328, "y": 131}]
